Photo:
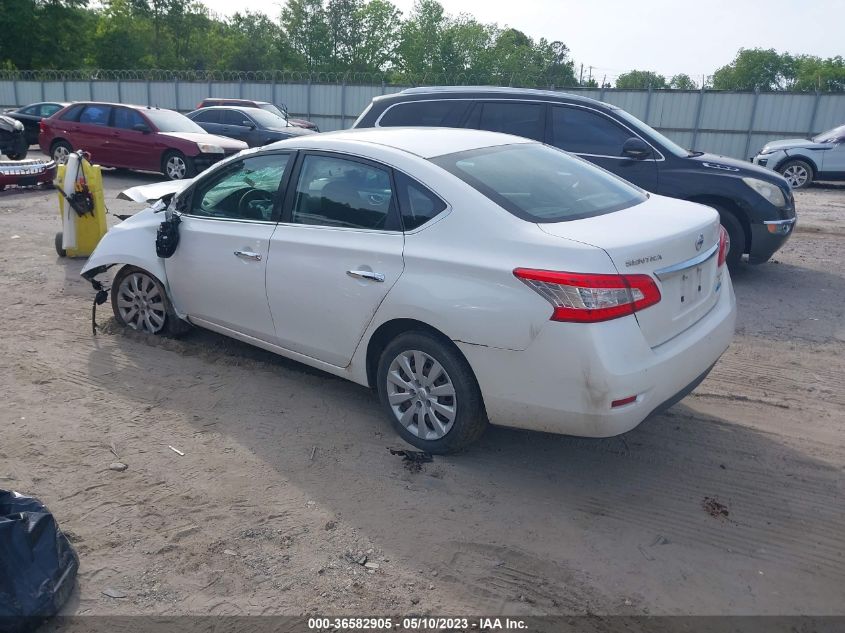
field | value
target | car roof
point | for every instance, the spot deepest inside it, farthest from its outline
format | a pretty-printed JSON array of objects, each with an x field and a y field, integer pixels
[
  {"x": 232, "y": 107},
  {"x": 234, "y": 101},
  {"x": 426, "y": 142},
  {"x": 121, "y": 105},
  {"x": 477, "y": 91}
]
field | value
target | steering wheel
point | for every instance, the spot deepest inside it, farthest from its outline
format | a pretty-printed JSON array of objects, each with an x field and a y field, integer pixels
[{"x": 247, "y": 209}]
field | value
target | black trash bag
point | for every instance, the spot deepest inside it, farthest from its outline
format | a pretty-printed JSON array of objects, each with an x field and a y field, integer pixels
[{"x": 37, "y": 563}]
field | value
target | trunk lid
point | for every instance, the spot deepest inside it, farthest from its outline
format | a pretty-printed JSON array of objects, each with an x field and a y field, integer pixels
[{"x": 673, "y": 241}]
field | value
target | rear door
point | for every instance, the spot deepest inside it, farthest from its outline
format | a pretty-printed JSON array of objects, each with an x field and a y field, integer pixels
[
  {"x": 93, "y": 134},
  {"x": 208, "y": 119},
  {"x": 335, "y": 256},
  {"x": 217, "y": 273},
  {"x": 599, "y": 139}
]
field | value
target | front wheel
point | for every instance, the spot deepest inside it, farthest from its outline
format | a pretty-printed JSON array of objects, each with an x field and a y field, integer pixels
[
  {"x": 798, "y": 173},
  {"x": 430, "y": 393},
  {"x": 140, "y": 302},
  {"x": 176, "y": 166}
]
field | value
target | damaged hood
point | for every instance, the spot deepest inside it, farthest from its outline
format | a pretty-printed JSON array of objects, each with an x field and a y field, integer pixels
[
  {"x": 8, "y": 124},
  {"x": 155, "y": 191}
]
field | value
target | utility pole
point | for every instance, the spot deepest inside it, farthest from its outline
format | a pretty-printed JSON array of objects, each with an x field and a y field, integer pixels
[
  {"x": 590, "y": 78},
  {"x": 581, "y": 76}
]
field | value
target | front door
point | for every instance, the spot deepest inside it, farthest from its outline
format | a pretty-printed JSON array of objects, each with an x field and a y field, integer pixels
[
  {"x": 334, "y": 257},
  {"x": 217, "y": 274},
  {"x": 599, "y": 139},
  {"x": 130, "y": 147}
]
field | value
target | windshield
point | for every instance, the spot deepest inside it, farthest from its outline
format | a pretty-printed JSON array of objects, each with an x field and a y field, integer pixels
[
  {"x": 269, "y": 107},
  {"x": 668, "y": 144},
  {"x": 265, "y": 118},
  {"x": 831, "y": 136},
  {"x": 539, "y": 183},
  {"x": 170, "y": 121}
]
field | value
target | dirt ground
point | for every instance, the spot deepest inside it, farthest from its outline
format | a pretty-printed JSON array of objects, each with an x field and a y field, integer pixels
[{"x": 730, "y": 503}]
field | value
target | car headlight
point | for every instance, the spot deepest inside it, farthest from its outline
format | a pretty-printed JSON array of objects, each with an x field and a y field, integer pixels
[
  {"x": 766, "y": 150},
  {"x": 207, "y": 148},
  {"x": 18, "y": 125},
  {"x": 770, "y": 192}
]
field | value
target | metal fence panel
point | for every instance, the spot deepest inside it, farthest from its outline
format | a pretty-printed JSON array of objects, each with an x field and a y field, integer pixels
[{"x": 729, "y": 123}]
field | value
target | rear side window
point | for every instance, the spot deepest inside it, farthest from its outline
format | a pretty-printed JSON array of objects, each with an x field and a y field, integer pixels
[
  {"x": 343, "y": 193},
  {"x": 49, "y": 109},
  {"x": 520, "y": 119},
  {"x": 206, "y": 116},
  {"x": 539, "y": 183},
  {"x": 447, "y": 113},
  {"x": 417, "y": 204},
  {"x": 72, "y": 114},
  {"x": 95, "y": 115},
  {"x": 585, "y": 132},
  {"x": 30, "y": 110}
]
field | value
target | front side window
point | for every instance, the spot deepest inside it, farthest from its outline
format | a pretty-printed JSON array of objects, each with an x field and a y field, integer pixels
[
  {"x": 520, "y": 119},
  {"x": 233, "y": 117},
  {"x": 836, "y": 135},
  {"x": 127, "y": 119},
  {"x": 95, "y": 115},
  {"x": 344, "y": 193},
  {"x": 246, "y": 190},
  {"x": 585, "y": 132},
  {"x": 444, "y": 113},
  {"x": 539, "y": 183},
  {"x": 417, "y": 204}
]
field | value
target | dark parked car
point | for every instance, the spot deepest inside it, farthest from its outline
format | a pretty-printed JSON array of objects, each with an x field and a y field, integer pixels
[
  {"x": 755, "y": 204},
  {"x": 134, "y": 137},
  {"x": 31, "y": 116},
  {"x": 253, "y": 126},
  {"x": 264, "y": 105},
  {"x": 12, "y": 138}
]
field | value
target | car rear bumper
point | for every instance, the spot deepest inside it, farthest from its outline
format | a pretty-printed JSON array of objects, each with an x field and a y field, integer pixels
[{"x": 567, "y": 380}]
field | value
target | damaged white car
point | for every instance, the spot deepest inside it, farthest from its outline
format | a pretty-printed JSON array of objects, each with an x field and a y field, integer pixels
[{"x": 469, "y": 277}]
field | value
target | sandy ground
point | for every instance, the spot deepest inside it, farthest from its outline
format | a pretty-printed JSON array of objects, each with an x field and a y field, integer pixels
[{"x": 286, "y": 474}]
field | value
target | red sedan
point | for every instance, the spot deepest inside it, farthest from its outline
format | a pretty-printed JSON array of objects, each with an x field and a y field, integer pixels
[{"x": 134, "y": 137}]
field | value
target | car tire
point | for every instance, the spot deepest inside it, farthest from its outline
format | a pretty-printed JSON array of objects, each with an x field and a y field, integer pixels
[
  {"x": 57, "y": 242},
  {"x": 19, "y": 155},
  {"x": 140, "y": 302},
  {"x": 60, "y": 151},
  {"x": 798, "y": 173},
  {"x": 176, "y": 166},
  {"x": 736, "y": 235},
  {"x": 448, "y": 413}
]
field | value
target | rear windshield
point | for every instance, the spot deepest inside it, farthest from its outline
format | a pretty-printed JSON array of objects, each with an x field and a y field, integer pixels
[{"x": 539, "y": 183}]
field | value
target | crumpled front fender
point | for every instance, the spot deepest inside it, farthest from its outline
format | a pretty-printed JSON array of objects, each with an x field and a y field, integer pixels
[{"x": 132, "y": 242}]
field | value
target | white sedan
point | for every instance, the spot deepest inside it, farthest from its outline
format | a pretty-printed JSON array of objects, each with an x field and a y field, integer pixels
[{"x": 469, "y": 277}]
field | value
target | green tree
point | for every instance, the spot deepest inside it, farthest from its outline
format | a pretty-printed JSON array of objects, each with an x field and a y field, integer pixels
[
  {"x": 682, "y": 81},
  {"x": 757, "y": 69},
  {"x": 815, "y": 73},
  {"x": 307, "y": 30},
  {"x": 421, "y": 39},
  {"x": 640, "y": 80}
]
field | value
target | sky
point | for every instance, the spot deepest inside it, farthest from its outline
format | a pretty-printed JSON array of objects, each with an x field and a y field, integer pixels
[{"x": 667, "y": 36}]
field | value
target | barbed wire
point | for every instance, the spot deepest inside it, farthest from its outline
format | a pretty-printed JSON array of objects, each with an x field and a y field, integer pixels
[{"x": 389, "y": 78}]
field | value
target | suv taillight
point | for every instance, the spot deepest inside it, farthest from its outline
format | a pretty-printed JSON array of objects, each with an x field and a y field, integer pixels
[
  {"x": 590, "y": 298},
  {"x": 724, "y": 245}
]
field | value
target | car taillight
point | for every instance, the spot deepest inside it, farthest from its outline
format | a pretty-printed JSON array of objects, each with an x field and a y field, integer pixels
[
  {"x": 589, "y": 298},
  {"x": 724, "y": 245},
  {"x": 41, "y": 126}
]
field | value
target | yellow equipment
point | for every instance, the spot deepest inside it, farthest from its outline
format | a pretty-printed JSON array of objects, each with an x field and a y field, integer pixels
[{"x": 90, "y": 227}]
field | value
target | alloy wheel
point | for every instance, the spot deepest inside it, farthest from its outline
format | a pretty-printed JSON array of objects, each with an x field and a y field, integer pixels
[
  {"x": 176, "y": 168},
  {"x": 60, "y": 154},
  {"x": 141, "y": 304},
  {"x": 796, "y": 176},
  {"x": 421, "y": 395}
]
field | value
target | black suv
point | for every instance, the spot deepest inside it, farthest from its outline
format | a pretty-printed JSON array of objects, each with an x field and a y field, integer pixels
[
  {"x": 755, "y": 204},
  {"x": 12, "y": 138}
]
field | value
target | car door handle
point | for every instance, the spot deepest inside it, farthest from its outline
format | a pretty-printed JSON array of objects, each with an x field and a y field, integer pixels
[
  {"x": 248, "y": 255},
  {"x": 365, "y": 274}
]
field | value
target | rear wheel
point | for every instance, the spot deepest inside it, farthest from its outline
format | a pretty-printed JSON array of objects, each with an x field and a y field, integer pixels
[
  {"x": 57, "y": 242},
  {"x": 60, "y": 151},
  {"x": 140, "y": 302},
  {"x": 798, "y": 173},
  {"x": 175, "y": 165},
  {"x": 430, "y": 393}
]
